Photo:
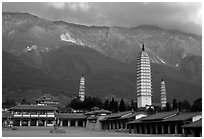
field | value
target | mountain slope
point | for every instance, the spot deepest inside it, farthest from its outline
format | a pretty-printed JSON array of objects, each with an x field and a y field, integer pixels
[
  {"x": 105, "y": 77},
  {"x": 53, "y": 55},
  {"x": 22, "y": 81}
]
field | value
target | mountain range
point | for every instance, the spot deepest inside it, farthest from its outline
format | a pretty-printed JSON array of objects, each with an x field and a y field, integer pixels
[{"x": 41, "y": 56}]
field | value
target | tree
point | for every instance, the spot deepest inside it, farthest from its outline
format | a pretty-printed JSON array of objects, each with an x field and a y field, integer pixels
[
  {"x": 115, "y": 106},
  {"x": 184, "y": 106},
  {"x": 24, "y": 101},
  {"x": 111, "y": 104},
  {"x": 168, "y": 107},
  {"x": 76, "y": 104},
  {"x": 8, "y": 103},
  {"x": 197, "y": 105},
  {"x": 131, "y": 106},
  {"x": 122, "y": 105},
  {"x": 87, "y": 104},
  {"x": 175, "y": 104},
  {"x": 150, "y": 110},
  {"x": 106, "y": 105}
]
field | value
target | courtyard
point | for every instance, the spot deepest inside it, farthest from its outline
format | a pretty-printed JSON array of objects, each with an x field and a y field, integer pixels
[{"x": 69, "y": 132}]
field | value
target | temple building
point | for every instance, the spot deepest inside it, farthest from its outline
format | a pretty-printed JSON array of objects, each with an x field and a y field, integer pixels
[
  {"x": 163, "y": 94},
  {"x": 144, "y": 83},
  {"x": 82, "y": 88},
  {"x": 33, "y": 115},
  {"x": 48, "y": 99}
]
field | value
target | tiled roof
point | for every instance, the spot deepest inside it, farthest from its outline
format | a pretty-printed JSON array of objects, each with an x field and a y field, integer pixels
[
  {"x": 6, "y": 114},
  {"x": 134, "y": 122},
  {"x": 117, "y": 115},
  {"x": 159, "y": 116},
  {"x": 183, "y": 116},
  {"x": 131, "y": 115},
  {"x": 33, "y": 107},
  {"x": 193, "y": 124},
  {"x": 98, "y": 112},
  {"x": 71, "y": 116}
]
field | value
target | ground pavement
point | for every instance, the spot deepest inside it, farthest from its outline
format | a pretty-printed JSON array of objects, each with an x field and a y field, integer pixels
[{"x": 70, "y": 132}]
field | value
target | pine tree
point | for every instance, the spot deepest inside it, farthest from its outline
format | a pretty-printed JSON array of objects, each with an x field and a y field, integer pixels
[
  {"x": 122, "y": 105},
  {"x": 175, "y": 104},
  {"x": 197, "y": 105},
  {"x": 111, "y": 105},
  {"x": 106, "y": 105},
  {"x": 168, "y": 107},
  {"x": 186, "y": 106},
  {"x": 115, "y": 106}
]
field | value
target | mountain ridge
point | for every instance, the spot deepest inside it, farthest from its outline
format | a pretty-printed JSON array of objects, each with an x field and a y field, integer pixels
[{"x": 33, "y": 40}]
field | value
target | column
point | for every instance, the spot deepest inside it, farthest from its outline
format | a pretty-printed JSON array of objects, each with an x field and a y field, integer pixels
[
  {"x": 28, "y": 122},
  {"x": 121, "y": 125},
  {"x": 20, "y": 122},
  {"x": 116, "y": 124},
  {"x": 45, "y": 124},
  {"x": 193, "y": 131},
  {"x": 151, "y": 129},
  {"x": 140, "y": 129},
  {"x": 124, "y": 124},
  {"x": 113, "y": 125},
  {"x": 169, "y": 129},
  {"x": 162, "y": 129},
  {"x": 176, "y": 129},
  {"x": 84, "y": 123},
  {"x": 76, "y": 123},
  {"x": 145, "y": 129},
  {"x": 68, "y": 123},
  {"x": 135, "y": 129},
  {"x": 61, "y": 122},
  {"x": 36, "y": 122},
  {"x": 184, "y": 131},
  {"x": 156, "y": 127},
  {"x": 130, "y": 128}
]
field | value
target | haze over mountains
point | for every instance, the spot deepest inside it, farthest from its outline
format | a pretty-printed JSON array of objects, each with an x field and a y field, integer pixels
[{"x": 43, "y": 56}]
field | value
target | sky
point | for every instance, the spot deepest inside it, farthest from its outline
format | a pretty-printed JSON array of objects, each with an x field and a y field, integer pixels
[{"x": 183, "y": 16}]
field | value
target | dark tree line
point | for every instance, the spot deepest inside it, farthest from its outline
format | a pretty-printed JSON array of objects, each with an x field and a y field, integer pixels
[
  {"x": 122, "y": 106},
  {"x": 112, "y": 105},
  {"x": 87, "y": 104},
  {"x": 184, "y": 106}
]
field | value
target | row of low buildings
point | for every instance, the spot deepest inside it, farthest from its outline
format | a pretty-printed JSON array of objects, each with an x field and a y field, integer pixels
[{"x": 176, "y": 123}]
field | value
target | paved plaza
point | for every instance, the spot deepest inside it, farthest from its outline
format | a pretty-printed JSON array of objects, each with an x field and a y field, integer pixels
[{"x": 70, "y": 132}]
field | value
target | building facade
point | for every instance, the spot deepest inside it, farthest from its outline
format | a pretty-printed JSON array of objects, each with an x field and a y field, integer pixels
[
  {"x": 48, "y": 99},
  {"x": 82, "y": 88},
  {"x": 33, "y": 115},
  {"x": 118, "y": 121},
  {"x": 163, "y": 94},
  {"x": 71, "y": 119},
  {"x": 193, "y": 129},
  {"x": 163, "y": 123},
  {"x": 93, "y": 118},
  {"x": 144, "y": 82}
]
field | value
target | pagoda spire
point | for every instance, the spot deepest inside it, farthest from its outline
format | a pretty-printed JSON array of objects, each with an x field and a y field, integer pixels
[
  {"x": 82, "y": 88},
  {"x": 143, "y": 49}
]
